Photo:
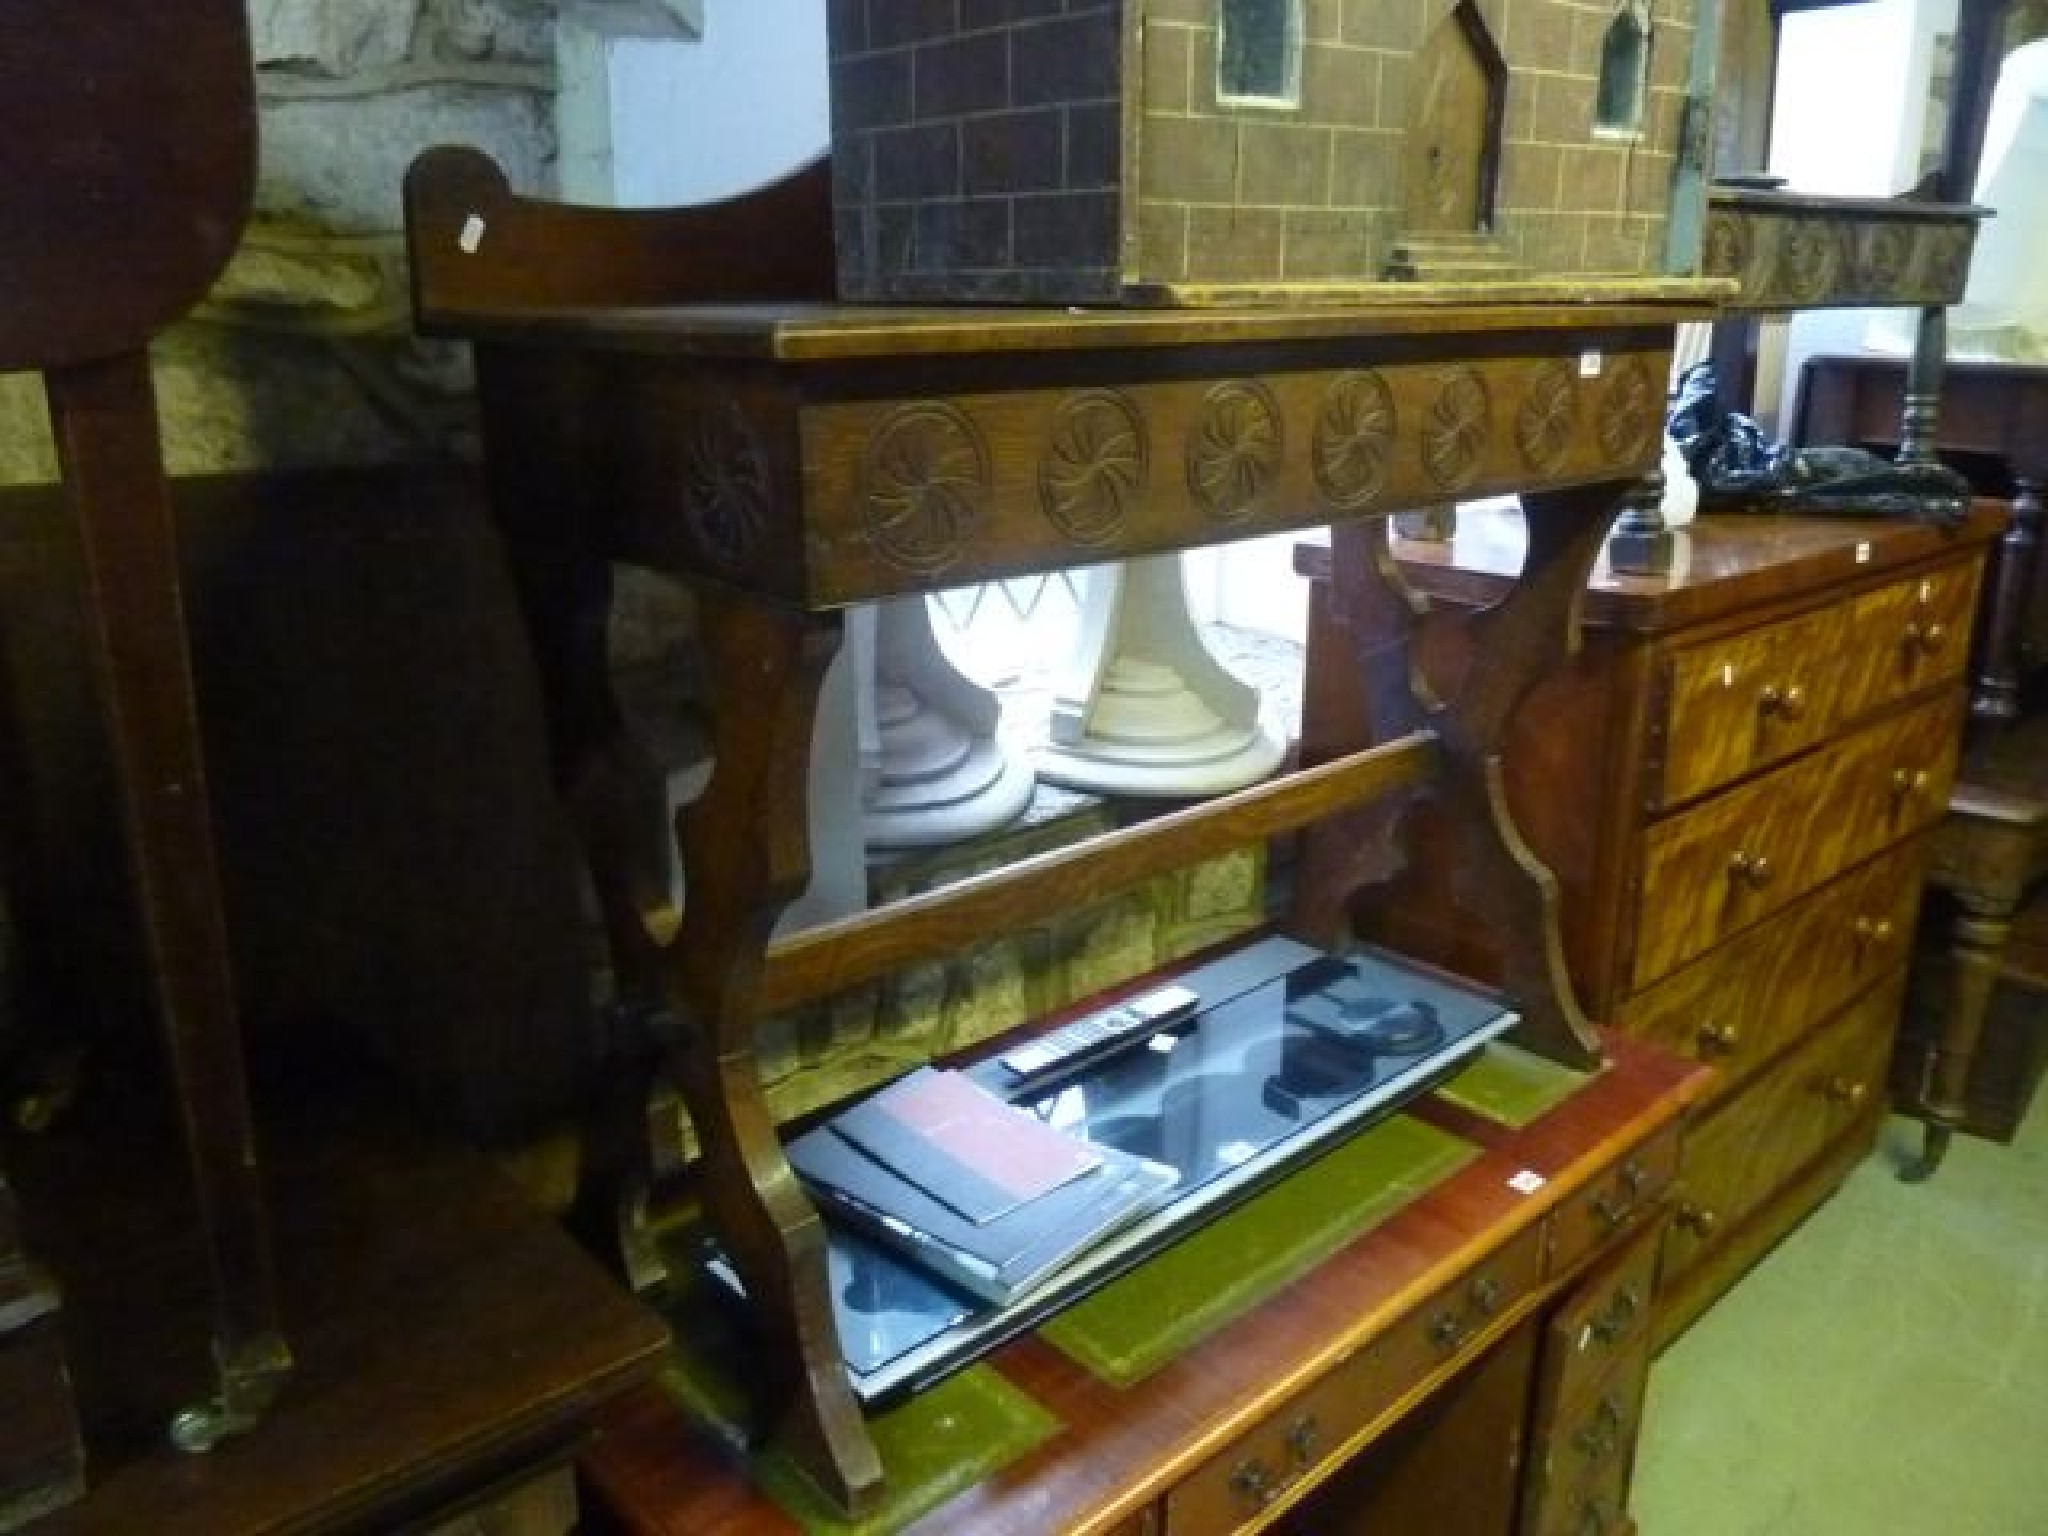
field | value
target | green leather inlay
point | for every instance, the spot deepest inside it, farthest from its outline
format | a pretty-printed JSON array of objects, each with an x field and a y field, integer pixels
[
  {"x": 934, "y": 1445},
  {"x": 1222, "y": 1270},
  {"x": 1511, "y": 1086}
]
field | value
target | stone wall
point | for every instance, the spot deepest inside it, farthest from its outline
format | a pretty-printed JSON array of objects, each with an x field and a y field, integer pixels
[{"x": 303, "y": 354}]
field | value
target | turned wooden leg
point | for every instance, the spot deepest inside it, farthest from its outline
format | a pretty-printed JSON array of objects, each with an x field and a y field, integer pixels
[
  {"x": 1976, "y": 945},
  {"x": 104, "y": 417}
]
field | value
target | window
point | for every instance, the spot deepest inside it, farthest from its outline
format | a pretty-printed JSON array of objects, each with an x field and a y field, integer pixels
[
  {"x": 1258, "y": 51},
  {"x": 1624, "y": 64}
]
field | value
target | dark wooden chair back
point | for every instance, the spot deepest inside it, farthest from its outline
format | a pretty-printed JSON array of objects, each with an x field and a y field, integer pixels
[{"x": 126, "y": 171}]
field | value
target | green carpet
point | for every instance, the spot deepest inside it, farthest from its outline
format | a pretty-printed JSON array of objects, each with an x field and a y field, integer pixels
[{"x": 1883, "y": 1372}]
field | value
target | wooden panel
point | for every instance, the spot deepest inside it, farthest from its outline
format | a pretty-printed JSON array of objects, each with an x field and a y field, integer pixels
[
  {"x": 1713, "y": 871},
  {"x": 1626, "y": 1196},
  {"x": 1589, "y": 1393},
  {"x": 1739, "y": 1005},
  {"x": 1739, "y": 1156},
  {"x": 1297, "y": 1444},
  {"x": 1907, "y": 636},
  {"x": 1743, "y": 702}
]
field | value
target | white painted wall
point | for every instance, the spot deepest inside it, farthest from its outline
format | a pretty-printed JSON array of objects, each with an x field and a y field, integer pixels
[
  {"x": 655, "y": 116},
  {"x": 1847, "y": 119}
]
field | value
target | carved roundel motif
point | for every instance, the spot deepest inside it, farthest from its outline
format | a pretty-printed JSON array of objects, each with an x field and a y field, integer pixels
[
  {"x": 1455, "y": 431},
  {"x": 1233, "y": 453},
  {"x": 1887, "y": 251},
  {"x": 925, "y": 485},
  {"x": 1630, "y": 410},
  {"x": 1726, "y": 250},
  {"x": 1944, "y": 259},
  {"x": 1806, "y": 258},
  {"x": 1549, "y": 415},
  {"x": 1354, "y": 438},
  {"x": 1094, "y": 466},
  {"x": 724, "y": 487}
]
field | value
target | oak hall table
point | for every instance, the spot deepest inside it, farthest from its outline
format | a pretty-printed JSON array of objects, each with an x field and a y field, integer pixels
[{"x": 677, "y": 388}]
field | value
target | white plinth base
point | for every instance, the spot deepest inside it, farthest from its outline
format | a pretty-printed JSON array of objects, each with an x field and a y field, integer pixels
[
  {"x": 936, "y": 783},
  {"x": 932, "y": 769},
  {"x": 1149, "y": 734}
]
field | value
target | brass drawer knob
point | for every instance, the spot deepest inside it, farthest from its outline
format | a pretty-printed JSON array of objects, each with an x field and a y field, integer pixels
[
  {"x": 1254, "y": 1484},
  {"x": 1485, "y": 1294},
  {"x": 1753, "y": 870},
  {"x": 1871, "y": 931},
  {"x": 1304, "y": 1439},
  {"x": 1615, "y": 1317},
  {"x": 1787, "y": 703},
  {"x": 1719, "y": 1039},
  {"x": 1909, "y": 783},
  {"x": 1847, "y": 1091},
  {"x": 1448, "y": 1331},
  {"x": 1695, "y": 1218},
  {"x": 1924, "y": 639}
]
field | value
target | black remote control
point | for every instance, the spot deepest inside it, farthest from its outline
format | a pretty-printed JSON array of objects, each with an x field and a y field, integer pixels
[{"x": 1098, "y": 1034}]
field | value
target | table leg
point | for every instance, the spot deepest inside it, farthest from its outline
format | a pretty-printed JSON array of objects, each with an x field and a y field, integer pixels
[
  {"x": 1498, "y": 657},
  {"x": 104, "y": 417},
  {"x": 1977, "y": 942},
  {"x": 745, "y": 843}
]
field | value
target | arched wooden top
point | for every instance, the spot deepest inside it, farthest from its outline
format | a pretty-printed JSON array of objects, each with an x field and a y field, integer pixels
[{"x": 126, "y": 173}]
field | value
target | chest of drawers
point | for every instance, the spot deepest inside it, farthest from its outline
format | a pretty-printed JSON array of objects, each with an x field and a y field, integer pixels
[{"x": 1733, "y": 785}]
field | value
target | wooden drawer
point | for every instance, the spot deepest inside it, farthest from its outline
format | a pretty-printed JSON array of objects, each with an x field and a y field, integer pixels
[
  {"x": 1739, "y": 1005},
  {"x": 1261, "y": 1471},
  {"x": 1597, "y": 1507},
  {"x": 1740, "y": 703},
  {"x": 1710, "y": 872},
  {"x": 1589, "y": 1391},
  {"x": 1628, "y": 1195},
  {"x": 1736, "y": 1157},
  {"x": 1903, "y": 637}
]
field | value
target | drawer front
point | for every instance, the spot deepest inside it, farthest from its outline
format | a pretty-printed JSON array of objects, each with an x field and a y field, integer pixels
[
  {"x": 1293, "y": 1447},
  {"x": 1597, "y": 1507},
  {"x": 1602, "y": 1325},
  {"x": 1588, "y": 1454},
  {"x": 1741, "y": 1004},
  {"x": 1905, "y": 636},
  {"x": 1732, "y": 706},
  {"x": 1715, "y": 870},
  {"x": 1589, "y": 1393},
  {"x": 1740, "y": 1154},
  {"x": 1627, "y": 1196},
  {"x": 1741, "y": 703}
]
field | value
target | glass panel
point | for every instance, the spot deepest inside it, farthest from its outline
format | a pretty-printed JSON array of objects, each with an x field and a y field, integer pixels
[
  {"x": 1618, "y": 105},
  {"x": 1258, "y": 56}
]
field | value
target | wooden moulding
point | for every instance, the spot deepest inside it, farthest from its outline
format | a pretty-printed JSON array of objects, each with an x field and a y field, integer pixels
[{"x": 1795, "y": 251}]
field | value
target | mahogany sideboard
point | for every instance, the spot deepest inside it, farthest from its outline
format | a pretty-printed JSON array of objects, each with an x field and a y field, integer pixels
[
  {"x": 676, "y": 388},
  {"x": 1734, "y": 783}
]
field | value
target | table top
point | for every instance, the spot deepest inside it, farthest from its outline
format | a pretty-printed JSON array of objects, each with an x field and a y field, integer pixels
[{"x": 1726, "y": 562}]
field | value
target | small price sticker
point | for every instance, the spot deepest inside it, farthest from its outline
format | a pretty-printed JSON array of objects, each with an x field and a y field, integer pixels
[
  {"x": 1590, "y": 364},
  {"x": 1527, "y": 1182},
  {"x": 1863, "y": 551}
]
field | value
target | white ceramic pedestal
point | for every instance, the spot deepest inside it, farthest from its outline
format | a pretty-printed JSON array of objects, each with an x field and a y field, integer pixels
[
  {"x": 933, "y": 771},
  {"x": 1144, "y": 708}
]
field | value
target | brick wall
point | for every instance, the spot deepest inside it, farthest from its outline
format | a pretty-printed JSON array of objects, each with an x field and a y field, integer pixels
[{"x": 1054, "y": 149}]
